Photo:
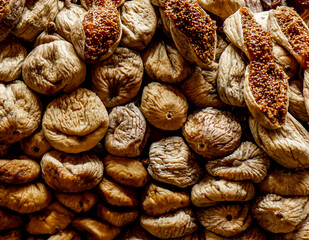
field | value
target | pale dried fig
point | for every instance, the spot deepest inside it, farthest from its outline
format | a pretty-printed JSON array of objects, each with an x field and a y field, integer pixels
[
  {"x": 212, "y": 133},
  {"x": 253, "y": 233},
  {"x": 9, "y": 220},
  {"x": 75, "y": 122},
  {"x": 297, "y": 103},
  {"x": 301, "y": 233},
  {"x": 171, "y": 161},
  {"x": 65, "y": 235},
  {"x": 127, "y": 132},
  {"x": 71, "y": 173},
  {"x": 164, "y": 106}
]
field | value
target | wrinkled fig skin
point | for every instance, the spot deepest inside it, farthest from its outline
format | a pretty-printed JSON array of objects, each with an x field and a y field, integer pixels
[
  {"x": 297, "y": 103},
  {"x": 9, "y": 220},
  {"x": 301, "y": 233},
  {"x": 12, "y": 235},
  {"x": 75, "y": 122},
  {"x": 71, "y": 173},
  {"x": 20, "y": 112},
  {"x": 27, "y": 198},
  {"x": 136, "y": 233},
  {"x": 19, "y": 171},
  {"x": 253, "y": 233},
  {"x": 288, "y": 145},
  {"x": 65, "y": 235}
]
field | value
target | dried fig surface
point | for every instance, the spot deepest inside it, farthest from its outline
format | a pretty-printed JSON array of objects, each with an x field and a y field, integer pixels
[
  {"x": 253, "y": 233},
  {"x": 12, "y": 235},
  {"x": 297, "y": 103},
  {"x": 9, "y": 220},
  {"x": 136, "y": 233},
  {"x": 65, "y": 235}
]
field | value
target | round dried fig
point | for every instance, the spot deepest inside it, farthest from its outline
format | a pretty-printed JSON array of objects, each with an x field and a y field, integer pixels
[
  {"x": 19, "y": 171},
  {"x": 171, "y": 225},
  {"x": 26, "y": 198},
  {"x": 212, "y": 133},
  {"x": 20, "y": 112},
  {"x": 75, "y": 122},
  {"x": 296, "y": 101},
  {"x": 171, "y": 161},
  {"x": 127, "y": 133},
  {"x": 65, "y": 235},
  {"x": 71, "y": 173},
  {"x": 210, "y": 191},
  {"x": 53, "y": 67},
  {"x": 118, "y": 79},
  {"x": 78, "y": 202},
  {"x": 126, "y": 171},
  {"x": 9, "y": 220},
  {"x": 252, "y": 233},
  {"x": 164, "y": 106},
  {"x": 301, "y": 233},
  {"x": 158, "y": 200},
  {"x": 137, "y": 36},
  {"x": 226, "y": 220},
  {"x": 11, "y": 235},
  {"x": 248, "y": 162}
]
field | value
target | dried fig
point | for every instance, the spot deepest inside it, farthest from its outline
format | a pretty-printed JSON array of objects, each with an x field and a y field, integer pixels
[
  {"x": 127, "y": 133},
  {"x": 71, "y": 173},
  {"x": 254, "y": 5},
  {"x": 272, "y": 4},
  {"x": 301, "y": 233},
  {"x": 65, "y": 235},
  {"x": 164, "y": 106},
  {"x": 11, "y": 235},
  {"x": 212, "y": 133},
  {"x": 75, "y": 122},
  {"x": 9, "y": 220},
  {"x": 297, "y": 103},
  {"x": 252, "y": 233},
  {"x": 136, "y": 233}
]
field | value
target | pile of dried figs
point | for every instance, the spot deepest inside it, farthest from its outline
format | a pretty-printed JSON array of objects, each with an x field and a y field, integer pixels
[{"x": 154, "y": 119}]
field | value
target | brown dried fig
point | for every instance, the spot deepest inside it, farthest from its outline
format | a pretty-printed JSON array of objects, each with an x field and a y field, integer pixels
[
  {"x": 136, "y": 233},
  {"x": 171, "y": 161},
  {"x": 164, "y": 106},
  {"x": 65, "y": 235},
  {"x": 117, "y": 79},
  {"x": 127, "y": 132},
  {"x": 297, "y": 102},
  {"x": 71, "y": 173},
  {"x": 301, "y": 233},
  {"x": 127, "y": 171},
  {"x": 12, "y": 235},
  {"x": 212, "y": 133},
  {"x": 9, "y": 220},
  {"x": 75, "y": 122},
  {"x": 253, "y": 233}
]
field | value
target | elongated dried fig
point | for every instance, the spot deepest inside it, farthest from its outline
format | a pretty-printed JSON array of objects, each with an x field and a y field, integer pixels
[
  {"x": 9, "y": 220},
  {"x": 297, "y": 105}
]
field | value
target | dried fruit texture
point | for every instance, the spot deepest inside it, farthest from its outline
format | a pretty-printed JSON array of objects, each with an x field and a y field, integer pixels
[
  {"x": 48, "y": 36},
  {"x": 127, "y": 133},
  {"x": 117, "y": 195},
  {"x": 231, "y": 77},
  {"x": 20, "y": 112},
  {"x": 164, "y": 23},
  {"x": 12, "y": 235},
  {"x": 248, "y": 162},
  {"x": 4, "y": 149},
  {"x": 301, "y": 233},
  {"x": 19, "y": 171},
  {"x": 35, "y": 17},
  {"x": 297, "y": 103},
  {"x": 164, "y": 106},
  {"x": 212, "y": 133},
  {"x": 71, "y": 173},
  {"x": 201, "y": 88},
  {"x": 9, "y": 220},
  {"x": 87, "y": 4},
  {"x": 75, "y": 122},
  {"x": 279, "y": 214},
  {"x": 164, "y": 63},
  {"x": 95, "y": 229},
  {"x": 221, "y": 46},
  {"x": 26, "y": 198},
  {"x": 53, "y": 219},
  {"x": 210, "y": 191},
  {"x": 226, "y": 220},
  {"x": 127, "y": 171},
  {"x": 116, "y": 218},
  {"x": 78, "y": 202},
  {"x": 136, "y": 233},
  {"x": 171, "y": 161},
  {"x": 171, "y": 225},
  {"x": 253, "y": 233},
  {"x": 118, "y": 79},
  {"x": 284, "y": 181},
  {"x": 192, "y": 236},
  {"x": 254, "y": 5},
  {"x": 287, "y": 145},
  {"x": 12, "y": 56},
  {"x": 137, "y": 36},
  {"x": 53, "y": 68},
  {"x": 65, "y": 235},
  {"x": 222, "y": 8},
  {"x": 158, "y": 200},
  {"x": 272, "y": 4},
  {"x": 36, "y": 145},
  {"x": 193, "y": 31}
]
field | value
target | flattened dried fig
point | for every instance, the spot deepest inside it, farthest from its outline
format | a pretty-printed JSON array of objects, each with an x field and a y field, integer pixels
[
  {"x": 9, "y": 220},
  {"x": 20, "y": 112},
  {"x": 71, "y": 173},
  {"x": 158, "y": 200},
  {"x": 19, "y": 171},
  {"x": 127, "y": 133},
  {"x": 26, "y": 198},
  {"x": 126, "y": 171},
  {"x": 301, "y": 233},
  {"x": 297, "y": 103},
  {"x": 78, "y": 202},
  {"x": 248, "y": 162},
  {"x": 53, "y": 219},
  {"x": 279, "y": 214},
  {"x": 212, "y": 132},
  {"x": 171, "y": 225},
  {"x": 171, "y": 161},
  {"x": 164, "y": 106},
  {"x": 75, "y": 122},
  {"x": 226, "y": 220},
  {"x": 65, "y": 235},
  {"x": 210, "y": 191}
]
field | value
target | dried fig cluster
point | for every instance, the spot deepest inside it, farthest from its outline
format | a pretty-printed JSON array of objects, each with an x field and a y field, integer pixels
[{"x": 154, "y": 119}]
